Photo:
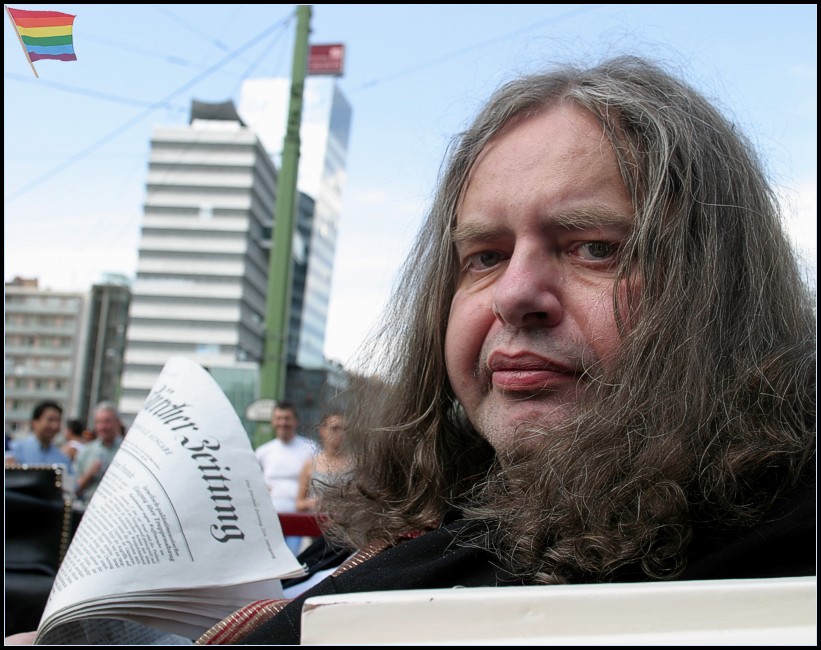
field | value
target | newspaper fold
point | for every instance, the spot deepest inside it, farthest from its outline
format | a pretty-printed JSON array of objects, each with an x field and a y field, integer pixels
[{"x": 181, "y": 531}]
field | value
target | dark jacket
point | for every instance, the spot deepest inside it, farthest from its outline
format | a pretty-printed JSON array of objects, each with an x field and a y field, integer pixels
[{"x": 782, "y": 544}]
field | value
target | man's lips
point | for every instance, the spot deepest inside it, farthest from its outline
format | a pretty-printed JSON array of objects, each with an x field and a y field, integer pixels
[{"x": 526, "y": 372}]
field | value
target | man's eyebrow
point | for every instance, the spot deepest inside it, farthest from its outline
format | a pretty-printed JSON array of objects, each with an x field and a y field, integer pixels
[
  {"x": 474, "y": 231},
  {"x": 592, "y": 219}
]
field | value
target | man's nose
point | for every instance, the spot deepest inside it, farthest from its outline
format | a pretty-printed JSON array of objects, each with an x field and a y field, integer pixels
[{"x": 528, "y": 292}]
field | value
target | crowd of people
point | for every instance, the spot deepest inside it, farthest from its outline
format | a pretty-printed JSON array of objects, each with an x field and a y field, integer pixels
[
  {"x": 84, "y": 454},
  {"x": 291, "y": 463}
]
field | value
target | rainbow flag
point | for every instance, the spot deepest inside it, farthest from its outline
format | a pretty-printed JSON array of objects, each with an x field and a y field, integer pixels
[{"x": 45, "y": 34}]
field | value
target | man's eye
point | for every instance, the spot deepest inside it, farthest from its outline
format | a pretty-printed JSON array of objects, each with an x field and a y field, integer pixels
[
  {"x": 597, "y": 250},
  {"x": 483, "y": 260}
]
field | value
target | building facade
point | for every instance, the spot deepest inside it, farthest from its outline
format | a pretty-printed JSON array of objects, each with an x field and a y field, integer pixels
[
  {"x": 105, "y": 345},
  {"x": 203, "y": 260},
  {"x": 202, "y": 264},
  {"x": 44, "y": 354}
]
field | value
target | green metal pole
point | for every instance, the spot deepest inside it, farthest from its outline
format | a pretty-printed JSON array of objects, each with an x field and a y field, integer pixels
[{"x": 280, "y": 270}]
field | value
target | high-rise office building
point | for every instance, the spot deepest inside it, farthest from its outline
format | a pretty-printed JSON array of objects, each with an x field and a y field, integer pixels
[
  {"x": 202, "y": 266},
  {"x": 203, "y": 261},
  {"x": 44, "y": 348}
]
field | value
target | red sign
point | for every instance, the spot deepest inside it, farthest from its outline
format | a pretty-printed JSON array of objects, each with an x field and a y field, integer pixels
[{"x": 326, "y": 59}]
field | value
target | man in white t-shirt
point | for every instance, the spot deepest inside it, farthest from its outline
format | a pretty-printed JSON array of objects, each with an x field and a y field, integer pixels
[{"x": 282, "y": 459}]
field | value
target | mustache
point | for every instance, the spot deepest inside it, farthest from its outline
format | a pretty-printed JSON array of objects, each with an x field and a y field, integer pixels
[{"x": 539, "y": 350}]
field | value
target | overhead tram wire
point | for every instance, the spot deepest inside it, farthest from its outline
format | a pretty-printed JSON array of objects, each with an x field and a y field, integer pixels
[
  {"x": 94, "y": 94},
  {"x": 255, "y": 63},
  {"x": 154, "y": 106},
  {"x": 128, "y": 101},
  {"x": 232, "y": 55},
  {"x": 194, "y": 30},
  {"x": 211, "y": 40},
  {"x": 455, "y": 55},
  {"x": 242, "y": 77}
]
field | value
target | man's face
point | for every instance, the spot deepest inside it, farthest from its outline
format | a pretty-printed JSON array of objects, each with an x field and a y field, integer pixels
[
  {"x": 285, "y": 424},
  {"x": 537, "y": 237},
  {"x": 106, "y": 425},
  {"x": 47, "y": 425}
]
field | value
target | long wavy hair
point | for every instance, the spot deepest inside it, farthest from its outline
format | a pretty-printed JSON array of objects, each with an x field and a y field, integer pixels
[{"x": 709, "y": 412}]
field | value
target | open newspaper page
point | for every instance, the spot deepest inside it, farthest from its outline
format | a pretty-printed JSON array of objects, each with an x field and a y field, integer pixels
[{"x": 181, "y": 531}]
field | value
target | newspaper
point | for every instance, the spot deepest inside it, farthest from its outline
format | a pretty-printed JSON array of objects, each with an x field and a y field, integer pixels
[{"x": 180, "y": 532}]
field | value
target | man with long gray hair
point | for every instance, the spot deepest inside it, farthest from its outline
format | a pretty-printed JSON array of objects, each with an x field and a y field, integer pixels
[{"x": 599, "y": 364}]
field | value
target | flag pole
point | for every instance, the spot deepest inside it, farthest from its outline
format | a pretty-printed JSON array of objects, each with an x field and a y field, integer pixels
[{"x": 22, "y": 44}]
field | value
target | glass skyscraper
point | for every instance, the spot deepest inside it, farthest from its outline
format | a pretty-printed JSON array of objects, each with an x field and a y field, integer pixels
[{"x": 326, "y": 122}]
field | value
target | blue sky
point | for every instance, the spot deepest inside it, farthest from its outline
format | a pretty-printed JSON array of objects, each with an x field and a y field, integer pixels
[{"x": 76, "y": 139}]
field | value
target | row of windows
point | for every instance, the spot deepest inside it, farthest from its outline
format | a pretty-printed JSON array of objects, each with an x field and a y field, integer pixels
[
  {"x": 39, "y": 342},
  {"x": 22, "y": 367},
  {"x": 30, "y": 319},
  {"x": 28, "y": 383},
  {"x": 43, "y": 301}
]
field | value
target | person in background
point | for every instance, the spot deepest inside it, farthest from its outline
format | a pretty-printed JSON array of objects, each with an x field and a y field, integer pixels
[
  {"x": 282, "y": 460},
  {"x": 38, "y": 448},
  {"x": 321, "y": 556},
  {"x": 332, "y": 461},
  {"x": 93, "y": 461},
  {"x": 73, "y": 438}
]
